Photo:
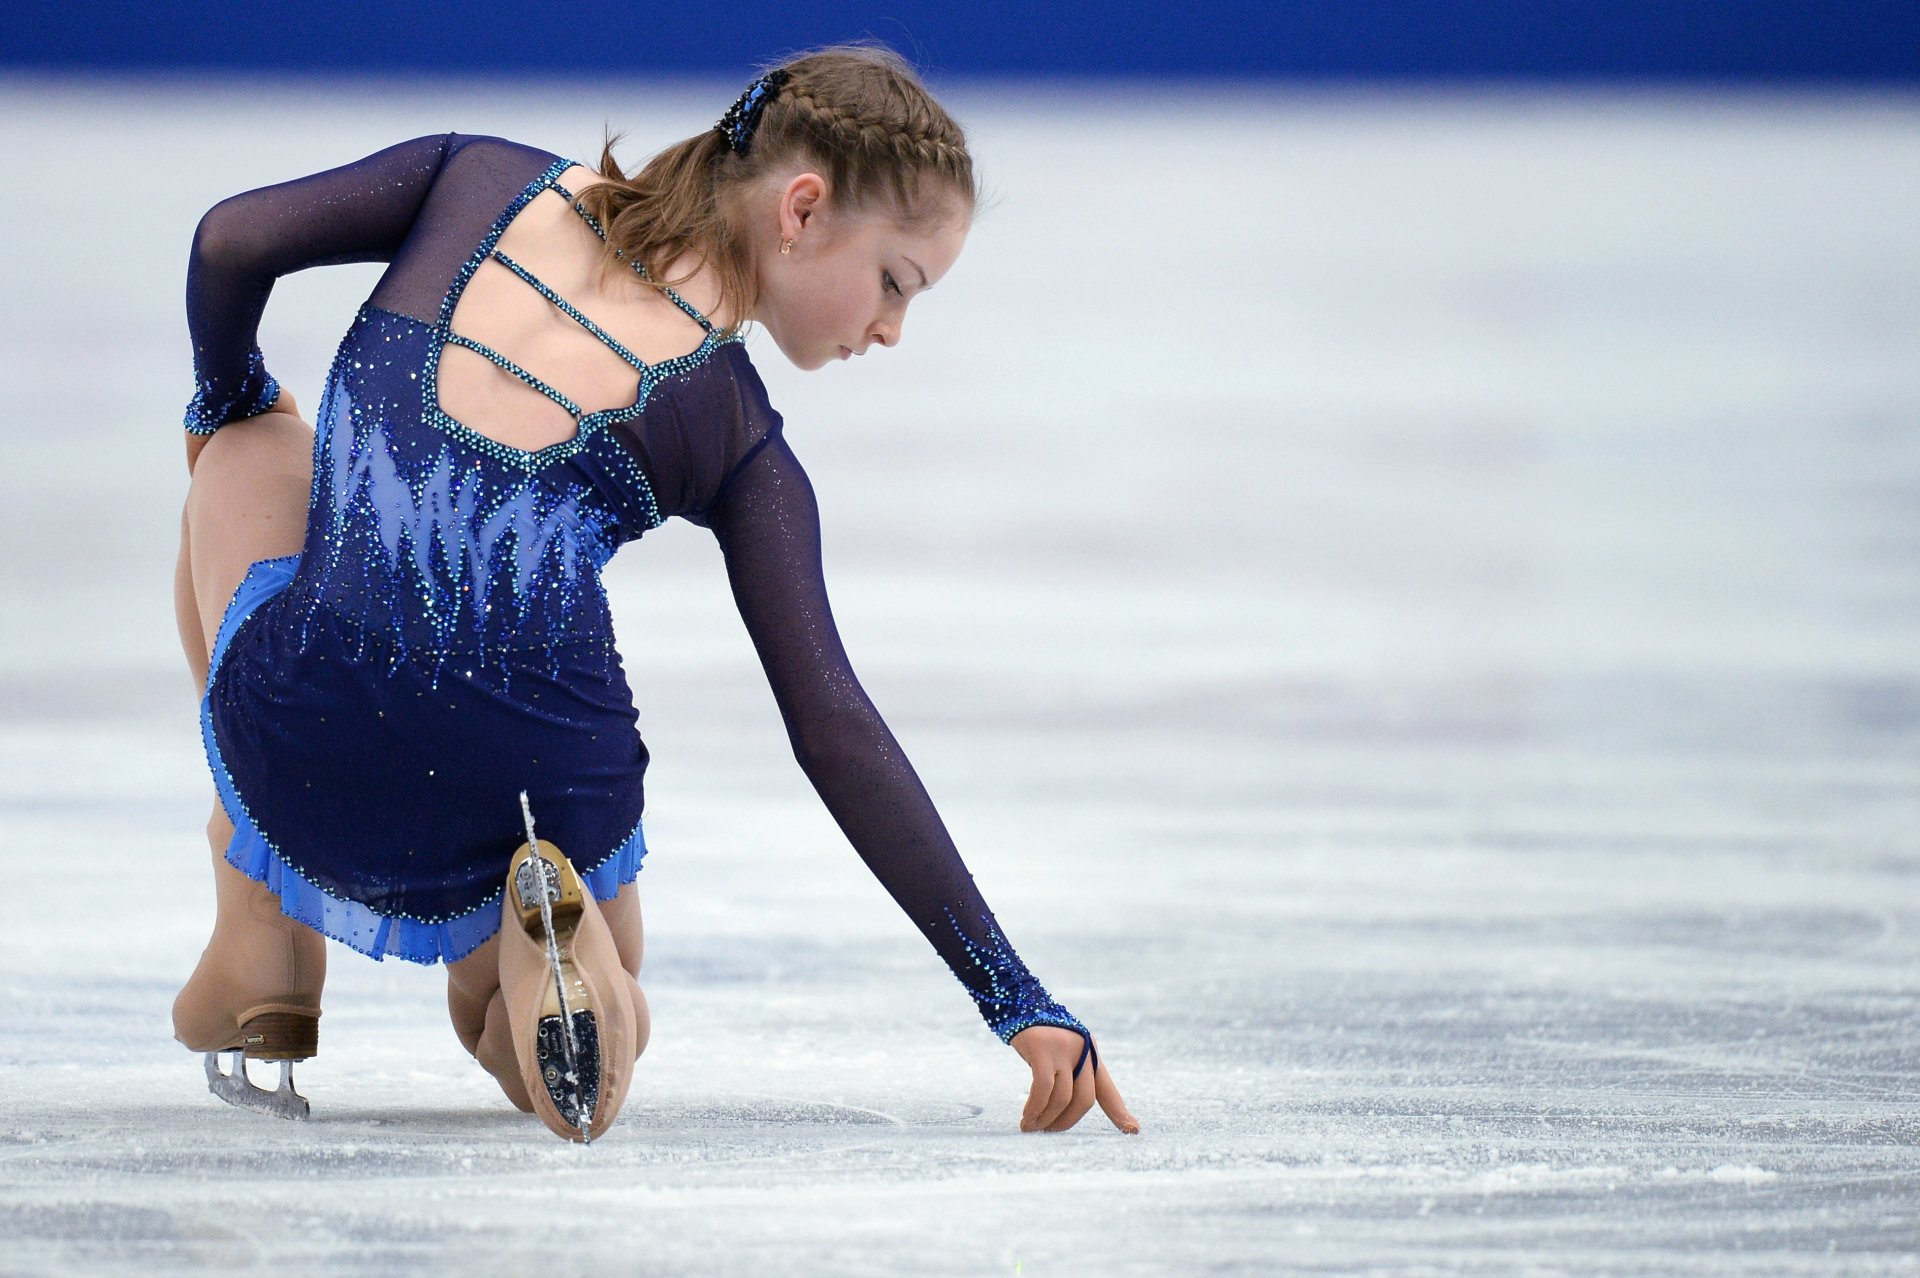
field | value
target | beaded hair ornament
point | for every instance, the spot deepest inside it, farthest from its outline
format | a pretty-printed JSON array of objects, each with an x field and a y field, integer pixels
[{"x": 738, "y": 124}]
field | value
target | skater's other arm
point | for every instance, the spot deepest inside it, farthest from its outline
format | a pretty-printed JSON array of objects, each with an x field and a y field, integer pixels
[
  {"x": 768, "y": 526},
  {"x": 358, "y": 212},
  {"x": 769, "y": 529}
]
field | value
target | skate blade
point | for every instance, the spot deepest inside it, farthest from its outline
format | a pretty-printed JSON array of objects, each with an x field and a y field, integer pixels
[{"x": 235, "y": 1088}]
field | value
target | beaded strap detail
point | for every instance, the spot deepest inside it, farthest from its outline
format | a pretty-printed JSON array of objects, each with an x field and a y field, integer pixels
[
  {"x": 638, "y": 269},
  {"x": 572, "y": 408},
  {"x": 561, "y": 302}
]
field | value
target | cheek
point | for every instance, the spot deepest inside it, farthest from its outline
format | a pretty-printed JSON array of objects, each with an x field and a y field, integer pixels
[{"x": 840, "y": 303}]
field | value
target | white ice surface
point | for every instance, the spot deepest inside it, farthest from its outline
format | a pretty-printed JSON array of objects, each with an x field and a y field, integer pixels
[{"x": 1409, "y": 606}]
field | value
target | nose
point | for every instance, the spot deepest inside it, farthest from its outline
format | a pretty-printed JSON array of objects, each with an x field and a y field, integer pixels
[{"x": 885, "y": 334}]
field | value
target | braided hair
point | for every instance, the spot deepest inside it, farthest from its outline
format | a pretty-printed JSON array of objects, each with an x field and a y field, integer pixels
[{"x": 856, "y": 113}]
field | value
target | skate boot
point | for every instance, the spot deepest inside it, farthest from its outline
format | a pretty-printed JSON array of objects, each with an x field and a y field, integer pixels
[
  {"x": 569, "y": 1001},
  {"x": 254, "y": 996}
]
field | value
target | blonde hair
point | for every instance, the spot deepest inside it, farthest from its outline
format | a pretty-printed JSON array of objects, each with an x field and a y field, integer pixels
[{"x": 857, "y": 112}]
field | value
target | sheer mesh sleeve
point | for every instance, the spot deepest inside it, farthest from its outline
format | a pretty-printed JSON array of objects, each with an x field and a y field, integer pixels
[
  {"x": 768, "y": 526},
  {"x": 359, "y": 212}
]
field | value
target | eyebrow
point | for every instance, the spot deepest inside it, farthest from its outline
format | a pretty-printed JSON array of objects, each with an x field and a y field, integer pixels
[{"x": 923, "y": 272}]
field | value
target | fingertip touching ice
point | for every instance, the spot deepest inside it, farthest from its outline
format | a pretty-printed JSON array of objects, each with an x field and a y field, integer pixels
[{"x": 440, "y": 645}]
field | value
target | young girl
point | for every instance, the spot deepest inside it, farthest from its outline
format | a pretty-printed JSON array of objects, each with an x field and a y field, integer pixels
[{"x": 397, "y": 615}]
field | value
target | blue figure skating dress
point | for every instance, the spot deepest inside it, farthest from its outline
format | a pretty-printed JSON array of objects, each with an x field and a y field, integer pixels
[{"x": 377, "y": 702}]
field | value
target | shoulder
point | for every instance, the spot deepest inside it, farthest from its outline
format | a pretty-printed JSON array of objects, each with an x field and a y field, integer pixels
[
  {"x": 491, "y": 169},
  {"x": 484, "y": 145},
  {"x": 734, "y": 363},
  {"x": 725, "y": 381}
]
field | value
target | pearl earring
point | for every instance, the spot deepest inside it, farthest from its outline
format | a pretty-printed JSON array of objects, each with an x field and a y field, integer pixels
[{"x": 784, "y": 246}]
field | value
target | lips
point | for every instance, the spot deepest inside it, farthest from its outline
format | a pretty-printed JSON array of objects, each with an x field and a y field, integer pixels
[{"x": 845, "y": 353}]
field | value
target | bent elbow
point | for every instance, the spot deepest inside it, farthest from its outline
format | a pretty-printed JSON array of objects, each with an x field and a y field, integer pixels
[{"x": 224, "y": 237}]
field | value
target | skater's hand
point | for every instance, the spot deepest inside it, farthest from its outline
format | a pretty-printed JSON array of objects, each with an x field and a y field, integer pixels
[
  {"x": 1058, "y": 1099},
  {"x": 283, "y": 403}
]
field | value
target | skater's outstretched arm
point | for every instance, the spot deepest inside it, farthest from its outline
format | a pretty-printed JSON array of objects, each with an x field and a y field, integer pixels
[
  {"x": 769, "y": 530},
  {"x": 359, "y": 212},
  {"x": 768, "y": 526}
]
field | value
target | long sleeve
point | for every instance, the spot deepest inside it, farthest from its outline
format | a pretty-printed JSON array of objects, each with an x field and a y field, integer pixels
[
  {"x": 359, "y": 212},
  {"x": 768, "y": 527}
]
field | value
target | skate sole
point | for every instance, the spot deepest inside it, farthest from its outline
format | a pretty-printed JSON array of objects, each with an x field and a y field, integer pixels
[{"x": 529, "y": 872}]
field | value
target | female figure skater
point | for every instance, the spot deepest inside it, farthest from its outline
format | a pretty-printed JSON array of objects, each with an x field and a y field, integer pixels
[{"x": 396, "y": 614}]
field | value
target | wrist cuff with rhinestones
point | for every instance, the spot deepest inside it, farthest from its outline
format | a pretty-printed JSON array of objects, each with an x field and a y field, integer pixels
[{"x": 209, "y": 410}]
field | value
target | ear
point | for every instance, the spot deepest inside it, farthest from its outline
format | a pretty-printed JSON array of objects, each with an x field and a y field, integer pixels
[{"x": 803, "y": 197}]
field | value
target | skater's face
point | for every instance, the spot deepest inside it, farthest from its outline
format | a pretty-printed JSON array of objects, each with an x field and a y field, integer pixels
[{"x": 845, "y": 284}]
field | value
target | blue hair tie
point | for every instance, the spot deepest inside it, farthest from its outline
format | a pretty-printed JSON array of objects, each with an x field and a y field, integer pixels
[{"x": 743, "y": 117}]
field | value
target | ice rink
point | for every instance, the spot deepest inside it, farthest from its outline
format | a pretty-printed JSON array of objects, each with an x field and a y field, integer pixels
[{"x": 1408, "y": 604}]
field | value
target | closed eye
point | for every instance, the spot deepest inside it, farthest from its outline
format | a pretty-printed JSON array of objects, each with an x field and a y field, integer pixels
[{"x": 890, "y": 283}]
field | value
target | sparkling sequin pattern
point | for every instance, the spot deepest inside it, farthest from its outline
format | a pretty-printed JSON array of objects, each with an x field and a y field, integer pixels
[
  {"x": 1010, "y": 997},
  {"x": 213, "y": 405},
  {"x": 452, "y": 545},
  {"x": 737, "y": 126},
  {"x": 450, "y": 553}
]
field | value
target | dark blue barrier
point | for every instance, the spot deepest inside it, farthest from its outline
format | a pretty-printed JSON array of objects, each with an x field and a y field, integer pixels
[{"x": 1755, "y": 40}]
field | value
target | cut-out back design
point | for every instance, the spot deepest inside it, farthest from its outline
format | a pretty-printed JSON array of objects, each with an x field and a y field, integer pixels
[
  {"x": 442, "y": 641},
  {"x": 583, "y": 423}
]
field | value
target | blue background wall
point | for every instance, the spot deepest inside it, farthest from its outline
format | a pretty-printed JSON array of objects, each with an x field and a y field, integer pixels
[{"x": 1755, "y": 40}]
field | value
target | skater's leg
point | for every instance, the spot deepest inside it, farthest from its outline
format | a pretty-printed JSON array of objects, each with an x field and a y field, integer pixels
[
  {"x": 247, "y": 501},
  {"x": 495, "y": 1054},
  {"x": 623, "y": 917},
  {"x": 186, "y": 609},
  {"x": 479, "y": 1017},
  {"x": 257, "y": 957},
  {"x": 471, "y": 984}
]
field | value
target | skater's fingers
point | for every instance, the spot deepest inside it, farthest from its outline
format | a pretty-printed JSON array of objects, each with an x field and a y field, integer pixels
[
  {"x": 1037, "y": 1097},
  {"x": 1058, "y": 1102},
  {"x": 1052, "y": 1092},
  {"x": 1110, "y": 1103},
  {"x": 1077, "y": 1108}
]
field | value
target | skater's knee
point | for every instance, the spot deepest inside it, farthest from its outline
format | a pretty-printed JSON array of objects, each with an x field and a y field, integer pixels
[
  {"x": 247, "y": 502},
  {"x": 263, "y": 439},
  {"x": 469, "y": 1018},
  {"x": 472, "y": 984},
  {"x": 250, "y": 468},
  {"x": 477, "y": 975},
  {"x": 495, "y": 1054},
  {"x": 237, "y": 462}
]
